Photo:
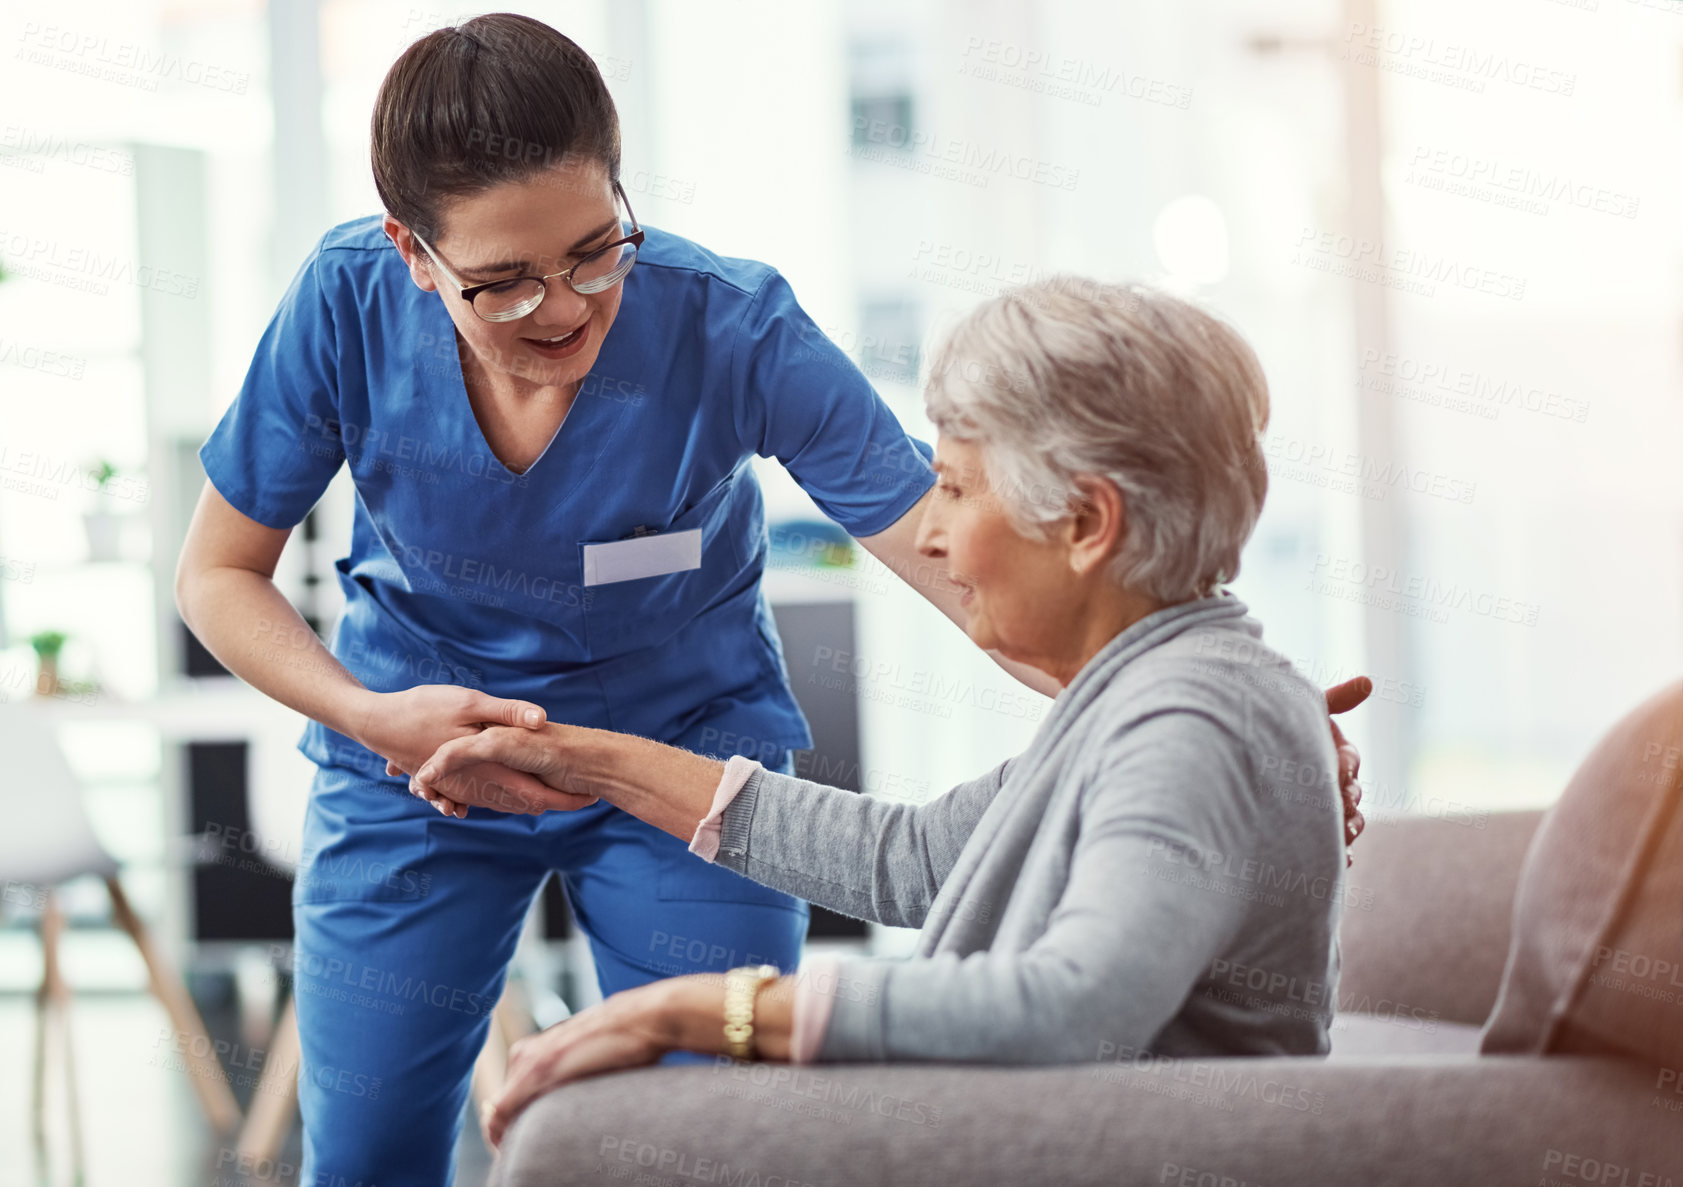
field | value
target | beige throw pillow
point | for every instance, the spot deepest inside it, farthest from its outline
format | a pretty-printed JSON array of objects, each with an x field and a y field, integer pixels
[{"x": 1596, "y": 960}]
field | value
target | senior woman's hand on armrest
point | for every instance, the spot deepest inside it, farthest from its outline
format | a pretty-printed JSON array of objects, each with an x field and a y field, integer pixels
[{"x": 632, "y": 1029}]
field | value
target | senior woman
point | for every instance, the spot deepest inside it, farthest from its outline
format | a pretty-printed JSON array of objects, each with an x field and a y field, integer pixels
[{"x": 1099, "y": 471}]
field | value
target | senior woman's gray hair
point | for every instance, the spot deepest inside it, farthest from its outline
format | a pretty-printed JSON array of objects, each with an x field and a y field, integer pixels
[{"x": 1069, "y": 377}]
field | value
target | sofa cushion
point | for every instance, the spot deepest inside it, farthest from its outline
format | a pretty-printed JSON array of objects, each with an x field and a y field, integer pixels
[
  {"x": 1596, "y": 961},
  {"x": 1427, "y": 912},
  {"x": 1398, "y": 1033}
]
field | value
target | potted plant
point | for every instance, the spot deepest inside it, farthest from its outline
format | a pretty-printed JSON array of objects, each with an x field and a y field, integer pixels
[
  {"x": 103, "y": 523},
  {"x": 47, "y": 645}
]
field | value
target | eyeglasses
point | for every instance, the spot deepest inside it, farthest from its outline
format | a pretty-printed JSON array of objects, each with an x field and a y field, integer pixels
[{"x": 506, "y": 300}]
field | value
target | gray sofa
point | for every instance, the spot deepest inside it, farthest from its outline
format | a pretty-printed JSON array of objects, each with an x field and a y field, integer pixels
[{"x": 1405, "y": 1098}]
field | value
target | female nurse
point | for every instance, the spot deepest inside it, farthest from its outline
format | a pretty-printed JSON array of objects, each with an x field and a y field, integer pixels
[{"x": 552, "y": 520}]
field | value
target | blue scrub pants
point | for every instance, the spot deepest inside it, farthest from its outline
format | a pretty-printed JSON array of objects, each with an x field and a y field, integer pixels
[{"x": 406, "y": 921}]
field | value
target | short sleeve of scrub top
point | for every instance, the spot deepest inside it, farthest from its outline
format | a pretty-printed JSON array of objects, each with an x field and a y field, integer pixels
[
  {"x": 462, "y": 571},
  {"x": 801, "y": 404},
  {"x": 290, "y": 396}
]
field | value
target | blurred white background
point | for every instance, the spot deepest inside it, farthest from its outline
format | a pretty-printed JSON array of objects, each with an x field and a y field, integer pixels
[{"x": 1450, "y": 230}]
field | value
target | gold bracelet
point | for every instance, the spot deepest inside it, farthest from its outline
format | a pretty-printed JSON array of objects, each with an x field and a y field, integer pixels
[{"x": 742, "y": 987}]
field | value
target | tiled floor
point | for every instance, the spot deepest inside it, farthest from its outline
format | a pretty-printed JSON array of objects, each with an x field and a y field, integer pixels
[{"x": 141, "y": 1122}]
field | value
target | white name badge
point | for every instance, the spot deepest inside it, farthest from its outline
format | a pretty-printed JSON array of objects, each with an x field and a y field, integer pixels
[{"x": 642, "y": 556}]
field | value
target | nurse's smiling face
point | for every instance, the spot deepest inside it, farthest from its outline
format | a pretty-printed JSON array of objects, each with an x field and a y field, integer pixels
[{"x": 534, "y": 227}]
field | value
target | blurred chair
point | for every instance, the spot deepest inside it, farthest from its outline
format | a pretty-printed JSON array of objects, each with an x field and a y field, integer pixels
[
  {"x": 50, "y": 841},
  {"x": 279, "y": 779}
]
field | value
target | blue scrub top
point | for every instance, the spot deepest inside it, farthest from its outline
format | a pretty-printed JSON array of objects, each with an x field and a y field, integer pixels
[{"x": 463, "y": 572}]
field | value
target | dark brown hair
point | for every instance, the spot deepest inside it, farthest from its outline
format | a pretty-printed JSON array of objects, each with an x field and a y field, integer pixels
[{"x": 499, "y": 98}]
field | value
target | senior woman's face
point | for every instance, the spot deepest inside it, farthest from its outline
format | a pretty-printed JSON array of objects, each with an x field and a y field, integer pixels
[
  {"x": 1017, "y": 591},
  {"x": 530, "y": 228}
]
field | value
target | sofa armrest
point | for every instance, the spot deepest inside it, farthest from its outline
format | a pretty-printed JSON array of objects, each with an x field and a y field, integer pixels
[
  {"x": 1428, "y": 914},
  {"x": 1421, "y": 1122}
]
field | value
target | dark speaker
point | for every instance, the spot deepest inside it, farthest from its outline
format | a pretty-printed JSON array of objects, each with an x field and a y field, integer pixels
[
  {"x": 557, "y": 915},
  {"x": 196, "y": 659},
  {"x": 236, "y": 894},
  {"x": 811, "y": 631}
]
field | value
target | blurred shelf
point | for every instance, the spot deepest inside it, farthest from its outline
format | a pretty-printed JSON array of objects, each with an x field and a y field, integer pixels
[
  {"x": 208, "y": 709},
  {"x": 74, "y": 567}
]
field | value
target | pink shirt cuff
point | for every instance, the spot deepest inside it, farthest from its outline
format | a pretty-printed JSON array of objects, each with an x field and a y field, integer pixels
[
  {"x": 815, "y": 996},
  {"x": 705, "y": 843}
]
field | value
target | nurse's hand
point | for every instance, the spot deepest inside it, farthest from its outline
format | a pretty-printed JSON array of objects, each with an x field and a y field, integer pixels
[
  {"x": 407, "y": 727},
  {"x": 1341, "y": 699}
]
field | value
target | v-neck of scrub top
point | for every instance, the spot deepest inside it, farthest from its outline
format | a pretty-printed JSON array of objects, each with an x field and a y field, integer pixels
[{"x": 447, "y": 399}]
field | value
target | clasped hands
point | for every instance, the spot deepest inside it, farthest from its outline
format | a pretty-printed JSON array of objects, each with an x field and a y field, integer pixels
[
  {"x": 513, "y": 769},
  {"x": 477, "y": 750},
  {"x": 504, "y": 768}
]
